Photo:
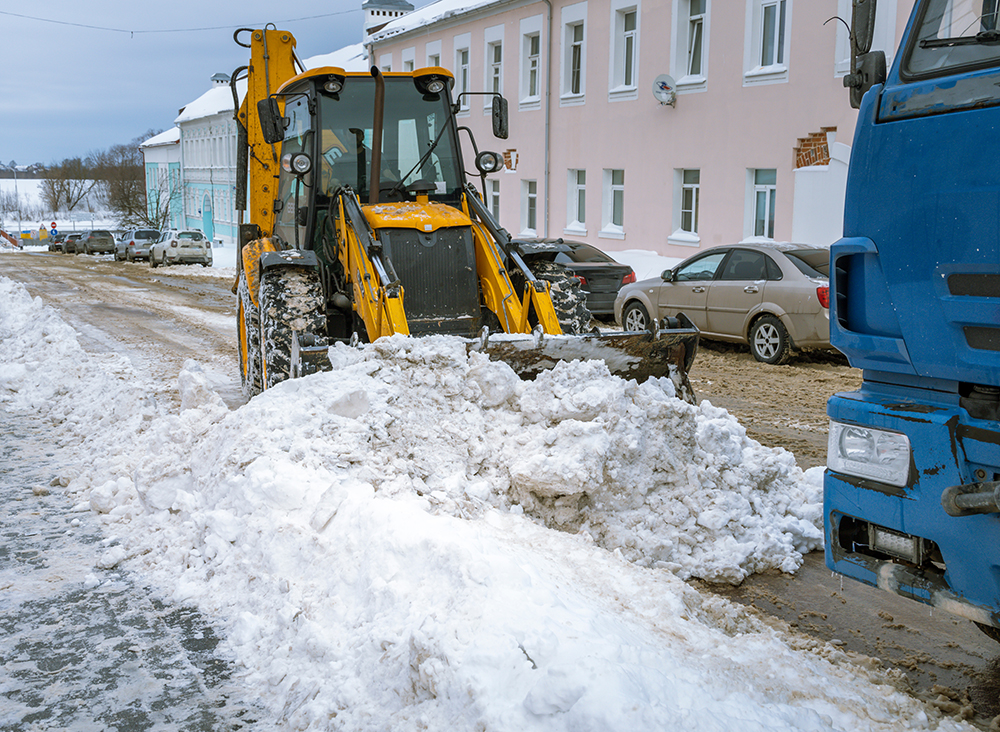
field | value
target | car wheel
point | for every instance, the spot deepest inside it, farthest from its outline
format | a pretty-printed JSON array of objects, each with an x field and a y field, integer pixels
[
  {"x": 769, "y": 340},
  {"x": 635, "y": 319},
  {"x": 152, "y": 260},
  {"x": 129, "y": 257}
]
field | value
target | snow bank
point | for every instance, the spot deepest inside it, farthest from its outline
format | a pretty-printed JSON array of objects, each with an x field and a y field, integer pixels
[{"x": 376, "y": 546}]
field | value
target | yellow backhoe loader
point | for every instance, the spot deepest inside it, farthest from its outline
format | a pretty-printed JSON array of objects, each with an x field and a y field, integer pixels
[{"x": 361, "y": 224}]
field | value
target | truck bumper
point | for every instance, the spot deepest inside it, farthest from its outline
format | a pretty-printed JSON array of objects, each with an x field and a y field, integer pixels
[{"x": 949, "y": 562}]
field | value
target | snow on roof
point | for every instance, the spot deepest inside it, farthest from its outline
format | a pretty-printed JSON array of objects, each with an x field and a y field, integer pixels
[
  {"x": 387, "y": 4},
  {"x": 167, "y": 137},
  {"x": 428, "y": 14},
  {"x": 349, "y": 58},
  {"x": 216, "y": 100}
]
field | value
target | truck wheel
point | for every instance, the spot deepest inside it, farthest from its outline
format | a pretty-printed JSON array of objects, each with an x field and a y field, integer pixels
[
  {"x": 291, "y": 303},
  {"x": 568, "y": 300},
  {"x": 769, "y": 340},
  {"x": 248, "y": 340},
  {"x": 635, "y": 319}
]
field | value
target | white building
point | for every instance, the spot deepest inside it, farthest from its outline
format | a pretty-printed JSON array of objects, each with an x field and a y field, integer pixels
[{"x": 162, "y": 156}]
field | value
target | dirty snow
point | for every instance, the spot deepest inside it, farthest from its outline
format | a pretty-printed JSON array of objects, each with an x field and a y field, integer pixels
[{"x": 420, "y": 540}]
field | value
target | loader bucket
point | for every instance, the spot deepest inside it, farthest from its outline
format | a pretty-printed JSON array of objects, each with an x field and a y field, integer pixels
[{"x": 670, "y": 352}]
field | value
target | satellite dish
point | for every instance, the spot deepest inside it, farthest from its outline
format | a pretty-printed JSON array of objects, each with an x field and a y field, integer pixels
[{"x": 665, "y": 89}]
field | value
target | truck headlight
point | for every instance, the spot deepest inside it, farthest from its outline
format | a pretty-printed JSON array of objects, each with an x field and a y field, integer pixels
[{"x": 869, "y": 453}]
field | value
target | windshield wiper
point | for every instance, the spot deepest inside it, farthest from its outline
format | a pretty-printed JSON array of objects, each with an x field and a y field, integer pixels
[{"x": 982, "y": 37}]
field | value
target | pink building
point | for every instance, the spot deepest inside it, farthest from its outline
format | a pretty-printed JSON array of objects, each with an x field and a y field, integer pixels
[{"x": 754, "y": 146}]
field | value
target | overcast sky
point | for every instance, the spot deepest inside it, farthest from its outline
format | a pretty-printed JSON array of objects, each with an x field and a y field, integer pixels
[{"x": 79, "y": 77}]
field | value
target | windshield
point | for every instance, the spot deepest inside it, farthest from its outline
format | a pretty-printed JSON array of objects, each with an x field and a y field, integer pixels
[
  {"x": 953, "y": 34},
  {"x": 417, "y": 143},
  {"x": 194, "y": 235}
]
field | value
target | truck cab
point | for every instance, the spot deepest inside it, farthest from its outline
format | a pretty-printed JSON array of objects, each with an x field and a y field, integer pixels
[{"x": 912, "y": 489}]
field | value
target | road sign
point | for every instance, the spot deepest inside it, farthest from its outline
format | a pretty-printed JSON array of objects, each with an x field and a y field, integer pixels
[{"x": 53, "y": 224}]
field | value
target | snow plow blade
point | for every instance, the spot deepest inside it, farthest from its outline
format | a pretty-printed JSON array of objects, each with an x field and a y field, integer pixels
[{"x": 670, "y": 352}]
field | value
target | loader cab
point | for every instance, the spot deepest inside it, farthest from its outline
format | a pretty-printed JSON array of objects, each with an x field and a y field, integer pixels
[{"x": 332, "y": 126}]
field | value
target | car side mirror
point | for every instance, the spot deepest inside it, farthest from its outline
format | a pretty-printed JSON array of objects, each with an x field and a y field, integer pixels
[{"x": 667, "y": 275}]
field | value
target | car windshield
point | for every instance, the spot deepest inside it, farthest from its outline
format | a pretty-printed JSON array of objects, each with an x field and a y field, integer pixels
[
  {"x": 811, "y": 262},
  {"x": 195, "y": 235},
  {"x": 953, "y": 34}
]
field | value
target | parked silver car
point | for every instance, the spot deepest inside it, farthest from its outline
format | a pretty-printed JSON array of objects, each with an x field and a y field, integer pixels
[
  {"x": 134, "y": 244},
  {"x": 181, "y": 246},
  {"x": 98, "y": 241},
  {"x": 773, "y": 297}
]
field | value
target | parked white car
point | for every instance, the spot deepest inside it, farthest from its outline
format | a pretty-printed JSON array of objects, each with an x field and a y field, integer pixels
[{"x": 181, "y": 246}]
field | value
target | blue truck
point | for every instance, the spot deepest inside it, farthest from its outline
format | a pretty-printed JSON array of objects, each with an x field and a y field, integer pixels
[{"x": 912, "y": 487}]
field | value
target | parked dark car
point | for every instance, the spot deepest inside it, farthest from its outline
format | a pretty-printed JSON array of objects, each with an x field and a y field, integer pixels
[
  {"x": 55, "y": 243},
  {"x": 98, "y": 241},
  {"x": 134, "y": 244},
  {"x": 600, "y": 276},
  {"x": 69, "y": 243}
]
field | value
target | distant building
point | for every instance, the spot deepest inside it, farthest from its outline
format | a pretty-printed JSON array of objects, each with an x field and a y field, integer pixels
[
  {"x": 208, "y": 161},
  {"x": 162, "y": 156},
  {"x": 380, "y": 12}
]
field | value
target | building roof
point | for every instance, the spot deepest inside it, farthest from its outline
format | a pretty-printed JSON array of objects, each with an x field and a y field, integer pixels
[
  {"x": 167, "y": 137},
  {"x": 387, "y": 5},
  {"x": 429, "y": 14},
  {"x": 349, "y": 58}
]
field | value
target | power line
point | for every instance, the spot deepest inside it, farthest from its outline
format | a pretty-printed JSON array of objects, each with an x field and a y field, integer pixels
[{"x": 172, "y": 30}]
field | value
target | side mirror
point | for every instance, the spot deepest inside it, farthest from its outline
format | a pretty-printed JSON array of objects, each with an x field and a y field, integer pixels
[
  {"x": 863, "y": 25},
  {"x": 500, "y": 126},
  {"x": 667, "y": 275},
  {"x": 272, "y": 124},
  {"x": 869, "y": 71}
]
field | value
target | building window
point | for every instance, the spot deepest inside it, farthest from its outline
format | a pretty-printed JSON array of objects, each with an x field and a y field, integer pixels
[
  {"x": 493, "y": 197},
  {"x": 529, "y": 207},
  {"x": 764, "y": 184},
  {"x": 462, "y": 77},
  {"x": 534, "y": 43},
  {"x": 772, "y": 34},
  {"x": 495, "y": 51},
  {"x": 576, "y": 204},
  {"x": 575, "y": 38},
  {"x": 434, "y": 60},
  {"x": 690, "y": 187},
  {"x": 696, "y": 34},
  {"x": 624, "y": 50},
  {"x": 529, "y": 87},
  {"x": 433, "y": 53},
  {"x": 613, "y": 219},
  {"x": 766, "y": 52},
  {"x": 409, "y": 58}
]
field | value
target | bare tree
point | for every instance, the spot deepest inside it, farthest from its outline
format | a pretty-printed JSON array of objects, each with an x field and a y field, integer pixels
[
  {"x": 122, "y": 186},
  {"x": 162, "y": 198},
  {"x": 68, "y": 184}
]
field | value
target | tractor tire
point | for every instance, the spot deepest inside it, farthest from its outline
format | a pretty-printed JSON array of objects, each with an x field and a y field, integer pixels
[
  {"x": 769, "y": 341},
  {"x": 291, "y": 302},
  {"x": 568, "y": 300},
  {"x": 248, "y": 340},
  {"x": 635, "y": 319}
]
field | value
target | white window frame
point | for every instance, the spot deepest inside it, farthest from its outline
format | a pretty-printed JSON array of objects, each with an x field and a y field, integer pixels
[
  {"x": 681, "y": 236},
  {"x": 529, "y": 205},
  {"x": 432, "y": 52},
  {"x": 529, "y": 28},
  {"x": 576, "y": 225},
  {"x": 572, "y": 17},
  {"x": 610, "y": 190},
  {"x": 754, "y": 72},
  {"x": 463, "y": 70},
  {"x": 620, "y": 90},
  {"x": 493, "y": 197},
  {"x": 681, "y": 56},
  {"x": 492, "y": 38},
  {"x": 385, "y": 62},
  {"x": 409, "y": 56},
  {"x": 750, "y": 216}
]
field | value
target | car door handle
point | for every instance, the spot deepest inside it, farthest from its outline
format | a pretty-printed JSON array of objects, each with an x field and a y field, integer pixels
[
  {"x": 751, "y": 288},
  {"x": 698, "y": 289}
]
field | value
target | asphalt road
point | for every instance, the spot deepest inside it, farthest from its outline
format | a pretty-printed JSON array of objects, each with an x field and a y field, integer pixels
[{"x": 161, "y": 317}]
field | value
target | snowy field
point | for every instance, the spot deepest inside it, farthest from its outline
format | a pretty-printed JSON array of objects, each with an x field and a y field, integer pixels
[{"x": 418, "y": 540}]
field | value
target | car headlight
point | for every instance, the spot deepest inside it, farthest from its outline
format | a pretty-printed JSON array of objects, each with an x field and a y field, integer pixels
[{"x": 869, "y": 453}]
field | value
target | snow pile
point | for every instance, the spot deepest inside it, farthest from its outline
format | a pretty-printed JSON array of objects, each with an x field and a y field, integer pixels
[{"x": 374, "y": 542}]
